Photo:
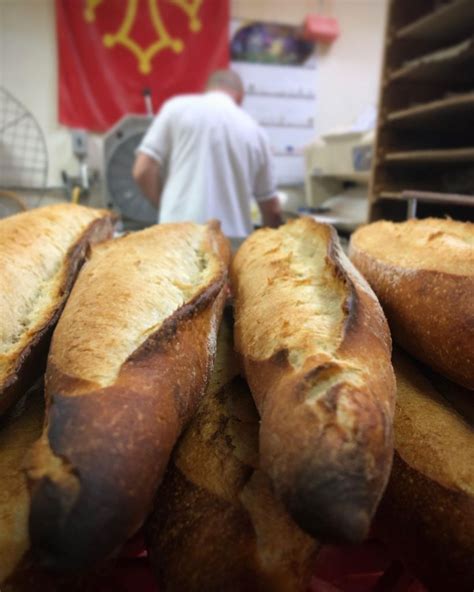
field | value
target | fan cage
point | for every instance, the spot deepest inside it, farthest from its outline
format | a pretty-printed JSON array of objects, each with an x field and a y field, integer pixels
[{"x": 23, "y": 151}]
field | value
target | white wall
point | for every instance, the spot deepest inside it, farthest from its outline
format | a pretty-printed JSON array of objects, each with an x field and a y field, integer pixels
[
  {"x": 347, "y": 79},
  {"x": 28, "y": 70},
  {"x": 349, "y": 71}
]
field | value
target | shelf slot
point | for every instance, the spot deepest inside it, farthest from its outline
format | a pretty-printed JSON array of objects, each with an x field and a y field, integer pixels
[
  {"x": 429, "y": 197},
  {"x": 451, "y": 64},
  {"x": 450, "y": 23},
  {"x": 439, "y": 156},
  {"x": 443, "y": 113}
]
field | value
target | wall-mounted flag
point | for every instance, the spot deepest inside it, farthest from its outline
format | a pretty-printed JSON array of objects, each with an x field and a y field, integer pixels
[{"x": 109, "y": 51}]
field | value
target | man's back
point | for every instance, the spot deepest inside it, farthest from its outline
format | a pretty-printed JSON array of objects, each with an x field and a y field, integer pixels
[{"x": 214, "y": 158}]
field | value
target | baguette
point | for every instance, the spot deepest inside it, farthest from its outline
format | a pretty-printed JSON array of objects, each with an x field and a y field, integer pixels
[
  {"x": 423, "y": 273},
  {"x": 129, "y": 361},
  {"x": 41, "y": 252},
  {"x": 216, "y": 525},
  {"x": 316, "y": 352},
  {"x": 17, "y": 434},
  {"x": 427, "y": 513}
]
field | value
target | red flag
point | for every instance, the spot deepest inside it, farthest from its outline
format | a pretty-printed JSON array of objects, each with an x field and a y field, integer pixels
[{"x": 111, "y": 50}]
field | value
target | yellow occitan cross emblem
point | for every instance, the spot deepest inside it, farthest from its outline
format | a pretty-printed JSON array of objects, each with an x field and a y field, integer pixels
[{"x": 164, "y": 40}]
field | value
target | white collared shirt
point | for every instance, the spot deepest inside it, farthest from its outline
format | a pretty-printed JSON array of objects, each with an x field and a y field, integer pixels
[{"x": 213, "y": 159}]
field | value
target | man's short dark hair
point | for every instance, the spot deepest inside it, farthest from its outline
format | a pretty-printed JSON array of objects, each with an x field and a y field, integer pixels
[{"x": 225, "y": 79}]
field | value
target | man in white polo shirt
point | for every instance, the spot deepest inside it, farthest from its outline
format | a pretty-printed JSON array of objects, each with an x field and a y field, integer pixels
[{"x": 203, "y": 157}]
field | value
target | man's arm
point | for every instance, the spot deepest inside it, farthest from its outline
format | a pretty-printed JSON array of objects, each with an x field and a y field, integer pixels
[
  {"x": 271, "y": 212},
  {"x": 146, "y": 172},
  {"x": 264, "y": 185}
]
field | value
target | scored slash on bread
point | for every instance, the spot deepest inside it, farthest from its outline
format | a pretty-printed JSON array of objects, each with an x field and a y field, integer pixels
[
  {"x": 41, "y": 252},
  {"x": 423, "y": 274},
  {"x": 316, "y": 352},
  {"x": 129, "y": 361}
]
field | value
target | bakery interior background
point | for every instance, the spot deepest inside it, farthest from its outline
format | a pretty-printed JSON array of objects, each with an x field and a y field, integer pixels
[
  {"x": 335, "y": 105},
  {"x": 337, "y": 92}
]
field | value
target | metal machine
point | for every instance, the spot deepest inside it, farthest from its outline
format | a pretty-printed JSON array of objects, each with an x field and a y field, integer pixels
[{"x": 121, "y": 191}]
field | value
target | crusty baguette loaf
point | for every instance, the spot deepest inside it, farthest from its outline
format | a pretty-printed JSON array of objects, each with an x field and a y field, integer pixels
[
  {"x": 423, "y": 274},
  {"x": 18, "y": 430},
  {"x": 316, "y": 352},
  {"x": 41, "y": 252},
  {"x": 427, "y": 512},
  {"x": 129, "y": 361},
  {"x": 216, "y": 525}
]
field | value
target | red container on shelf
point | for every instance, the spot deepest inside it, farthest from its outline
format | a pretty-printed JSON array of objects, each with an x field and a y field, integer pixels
[{"x": 322, "y": 29}]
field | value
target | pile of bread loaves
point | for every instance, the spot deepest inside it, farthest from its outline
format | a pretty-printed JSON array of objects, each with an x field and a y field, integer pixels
[{"x": 243, "y": 411}]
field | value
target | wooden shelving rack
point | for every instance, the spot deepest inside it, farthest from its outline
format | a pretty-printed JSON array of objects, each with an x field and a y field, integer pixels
[{"x": 424, "y": 144}]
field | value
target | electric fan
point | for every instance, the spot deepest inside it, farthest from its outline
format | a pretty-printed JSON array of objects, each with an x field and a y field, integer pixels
[{"x": 123, "y": 194}]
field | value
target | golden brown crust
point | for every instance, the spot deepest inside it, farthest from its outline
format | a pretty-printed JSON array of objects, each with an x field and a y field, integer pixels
[
  {"x": 167, "y": 267},
  {"x": 18, "y": 430},
  {"x": 427, "y": 512},
  {"x": 430, "y": 311},
  {"x": 431, "y": 244},
  {"x": 104, "y": 449},
  {"x": 326, "y": 391},
  {"x": 216, "y": 525},
  {"x": 26, "y": 339}
]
